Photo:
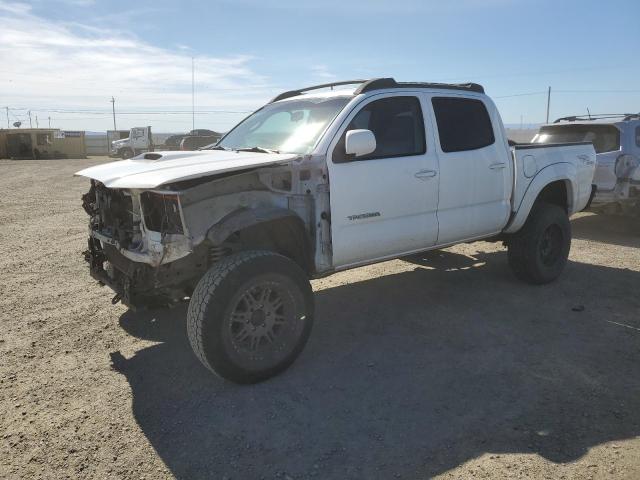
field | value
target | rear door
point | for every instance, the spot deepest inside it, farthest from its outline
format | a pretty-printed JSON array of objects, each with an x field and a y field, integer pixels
[
  {"x": 475, "y": 169},
  {"x": 385, "y": 203}
]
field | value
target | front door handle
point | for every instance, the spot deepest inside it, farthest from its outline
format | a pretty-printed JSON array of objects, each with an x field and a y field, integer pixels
[
  {"x": 425, "y": 174},
  {"x": 497, "y": 166}
]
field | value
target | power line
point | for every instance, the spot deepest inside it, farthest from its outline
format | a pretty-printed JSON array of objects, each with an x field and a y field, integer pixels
[
  {"x": 597, "y": 91},
  {"x": 521, "y": 94},
  {"x": 154, "y": 112},
  {"x": 537, "y": 73}
]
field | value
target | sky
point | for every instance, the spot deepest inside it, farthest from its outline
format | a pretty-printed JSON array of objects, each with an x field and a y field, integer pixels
[{"x": 64, "y": 60}]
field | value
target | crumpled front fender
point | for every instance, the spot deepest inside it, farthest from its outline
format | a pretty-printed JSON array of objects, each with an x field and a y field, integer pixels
[{"x": 241, "y": 219}]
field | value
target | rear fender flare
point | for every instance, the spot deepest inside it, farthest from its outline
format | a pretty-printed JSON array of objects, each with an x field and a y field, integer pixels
[{"x": 557, "y": 172}]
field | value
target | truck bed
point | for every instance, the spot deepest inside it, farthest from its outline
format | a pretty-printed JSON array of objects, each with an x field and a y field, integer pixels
[{"x": 538, "y": 163}]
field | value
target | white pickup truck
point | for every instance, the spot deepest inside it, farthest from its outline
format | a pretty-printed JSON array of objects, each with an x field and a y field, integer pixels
[
  {"x": 138, "y": 141},
  {"x": 318, "y": 181}
]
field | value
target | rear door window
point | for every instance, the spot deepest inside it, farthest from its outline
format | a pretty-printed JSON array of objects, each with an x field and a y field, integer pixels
[{"x": 463, "y": 124}]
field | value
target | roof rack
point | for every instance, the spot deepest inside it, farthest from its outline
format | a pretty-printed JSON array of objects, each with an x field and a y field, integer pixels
[
  {"x": 383, "y": 83},
  {"x": 295, "y": 93},
  {"x": 598, "y": 116}
]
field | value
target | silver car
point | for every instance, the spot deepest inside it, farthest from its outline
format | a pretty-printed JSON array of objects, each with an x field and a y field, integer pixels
[{"x": 616, "y": 139}]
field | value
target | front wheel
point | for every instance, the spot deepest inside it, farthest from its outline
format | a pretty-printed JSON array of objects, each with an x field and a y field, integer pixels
[
  {"x": 250, "y": 316},
  {"x": 127, "y": 153},
  {"x": 538, "y": 252}
]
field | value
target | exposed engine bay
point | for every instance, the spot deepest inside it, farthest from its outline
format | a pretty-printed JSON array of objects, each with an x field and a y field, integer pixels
[
  {"x": 152, "y": 246},
  {"x": 131, "y": 237}
]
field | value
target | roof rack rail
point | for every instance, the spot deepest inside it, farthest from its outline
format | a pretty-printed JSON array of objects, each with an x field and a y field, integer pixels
[
  {"x": 380, "y": 84},
  {"x": 295, "y": 93},
  {"x": 598, "y": 116}
]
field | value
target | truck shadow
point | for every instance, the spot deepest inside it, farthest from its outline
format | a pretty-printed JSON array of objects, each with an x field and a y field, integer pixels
[
  {"x": 409, "y": 374},
  {"x": 613, "y": 229}
]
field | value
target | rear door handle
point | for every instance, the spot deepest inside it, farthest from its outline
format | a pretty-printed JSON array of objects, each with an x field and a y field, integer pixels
[
  {"x": 425, "y": 174},
  {"x": 497, "y": 166}
]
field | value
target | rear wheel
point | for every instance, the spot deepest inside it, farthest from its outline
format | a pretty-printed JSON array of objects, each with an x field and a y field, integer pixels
[
  {"x": 250, "y": 316},
  {"x": 538, "y": 252}
]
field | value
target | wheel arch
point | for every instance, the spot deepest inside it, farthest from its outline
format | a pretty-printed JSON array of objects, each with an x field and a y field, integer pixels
[
  {"x": 275, "y": 229},
  {"x": 551, "y": 185}
]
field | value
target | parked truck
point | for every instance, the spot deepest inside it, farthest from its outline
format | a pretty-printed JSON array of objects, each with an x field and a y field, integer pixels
[
  {"x": 616, "y": 139},
  {"x": 138, "y": 141},
  {"x": 315, "y": 182},
  {"x": 199, "y": 137}
]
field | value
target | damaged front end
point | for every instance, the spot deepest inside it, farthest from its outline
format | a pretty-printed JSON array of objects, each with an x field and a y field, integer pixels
[{"x": 139, "y": 246}]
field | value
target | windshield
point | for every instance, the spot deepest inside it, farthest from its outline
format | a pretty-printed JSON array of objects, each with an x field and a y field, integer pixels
[
  {"x": 605, "y": 138},
  {"x": 289, "y": 127}
]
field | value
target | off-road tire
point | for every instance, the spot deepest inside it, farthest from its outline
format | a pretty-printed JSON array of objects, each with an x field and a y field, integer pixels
[
  {"x": 527, "y": 253},
  {"x": 210, "y": 313}
]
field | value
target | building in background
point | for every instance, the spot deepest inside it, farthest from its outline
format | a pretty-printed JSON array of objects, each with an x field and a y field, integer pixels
[{"x": 35, "y": 143}]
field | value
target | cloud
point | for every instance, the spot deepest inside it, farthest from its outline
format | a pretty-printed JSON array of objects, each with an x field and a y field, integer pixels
[
  {"x": 14, "y": 8},
  {"x": 48, "y": 64},
  {"x": 322, "y": 72}
]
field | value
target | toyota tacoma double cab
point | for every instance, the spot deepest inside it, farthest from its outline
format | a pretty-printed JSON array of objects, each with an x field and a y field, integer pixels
[
  {"x": 319, "y": 180},
  {"x": 616, "y": 139}
]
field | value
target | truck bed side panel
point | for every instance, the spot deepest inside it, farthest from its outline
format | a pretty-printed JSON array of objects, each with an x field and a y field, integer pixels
[{"x": 536, "y": 166}]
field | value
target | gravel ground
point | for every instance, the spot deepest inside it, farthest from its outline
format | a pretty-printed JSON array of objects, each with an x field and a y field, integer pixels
[{"x": 441, "y": 365}]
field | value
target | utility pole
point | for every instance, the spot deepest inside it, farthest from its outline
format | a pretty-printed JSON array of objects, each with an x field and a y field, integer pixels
[
  {"x": 37, "y": 126},
  {"x": 30, "y": 124},
  {"x": 7, "y": 117},
  {"x": 548, "y": 102},
  {"x": 113, "y": 109},
  {"x": 193, "y": 95},
  {"x": 49, "y": 122}
]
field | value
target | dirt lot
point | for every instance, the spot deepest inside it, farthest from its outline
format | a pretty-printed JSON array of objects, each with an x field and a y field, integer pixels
[{"x": 443, "y": 365}]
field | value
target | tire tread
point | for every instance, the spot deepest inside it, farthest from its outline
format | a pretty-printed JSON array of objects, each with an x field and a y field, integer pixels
[
  {"x": 201, "y": 297},
  {"x": 522, "y": 254}
]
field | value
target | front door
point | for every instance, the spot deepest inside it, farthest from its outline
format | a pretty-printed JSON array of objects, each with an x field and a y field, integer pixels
[{"x": 384, "y": 204}]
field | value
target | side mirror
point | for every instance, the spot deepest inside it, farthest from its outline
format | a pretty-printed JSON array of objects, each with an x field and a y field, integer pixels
[{"x": 359, "y": 142}]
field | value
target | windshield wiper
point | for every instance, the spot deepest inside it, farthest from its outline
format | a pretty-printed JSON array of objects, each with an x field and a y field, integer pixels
[
  {"x": 217, "y": 147},
  {"x": 257, "y": 150}
]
